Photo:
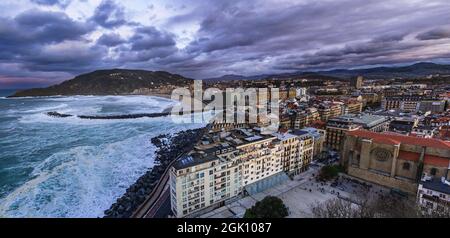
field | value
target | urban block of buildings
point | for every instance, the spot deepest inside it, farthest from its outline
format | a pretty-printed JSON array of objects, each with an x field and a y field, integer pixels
[
  {"x": 234, "y": 162},
  {"x": 393, "y": 134}
]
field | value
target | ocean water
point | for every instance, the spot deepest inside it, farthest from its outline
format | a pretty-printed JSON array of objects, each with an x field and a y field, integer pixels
[{"x": 71, "y": 167}]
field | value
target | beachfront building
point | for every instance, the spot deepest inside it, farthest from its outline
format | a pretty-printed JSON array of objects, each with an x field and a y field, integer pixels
[
  {"x": 297, "y": 151},
  {"x": 306, "y": 151},
  {"x": 202, "y": 179},
  {"x": 228, "y": 164},
  {"x": 260, "y": 155}
]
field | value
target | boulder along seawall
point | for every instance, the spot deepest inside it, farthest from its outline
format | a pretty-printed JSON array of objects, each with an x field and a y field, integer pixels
[{"x": 169, "y": 147}]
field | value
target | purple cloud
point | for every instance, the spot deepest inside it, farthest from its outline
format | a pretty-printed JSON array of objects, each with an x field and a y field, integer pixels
[{"x": 211, "y": 38}]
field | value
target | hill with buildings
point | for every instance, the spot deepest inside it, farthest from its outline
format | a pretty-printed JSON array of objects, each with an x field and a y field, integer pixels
[{"x": 112, "y": 82}]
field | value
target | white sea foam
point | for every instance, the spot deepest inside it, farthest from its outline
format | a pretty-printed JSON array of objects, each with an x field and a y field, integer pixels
[
  {"x": 90, "y": 163},
  {"x": 74, "y": 120},
  {"x": 44, "y": 108},
  {"x": 80, "y": 182},
  {"x": 93, "y": 105}
]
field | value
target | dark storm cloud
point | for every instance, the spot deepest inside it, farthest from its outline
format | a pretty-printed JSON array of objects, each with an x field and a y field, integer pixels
[
  {"x": 380, "y": 49},
  {"x": 319, "y": 33},
  {"x": 109, "y": 14},
  {"x": 61, "y": 3},
  {"x": 46, "y": 41},
  {"x": 73, "y": 58},
  {"x": 228, "y": 26},
  {"x": 211, "y": 38},
  {"x": 149, "y": 37},
  {"x": 110, "y": 40},
  {"x": 147, "y": 43},
  {"x": 49, "y": 27},
  {"x": 435, "y": 34},
  {"x": 29, "y": 30}
]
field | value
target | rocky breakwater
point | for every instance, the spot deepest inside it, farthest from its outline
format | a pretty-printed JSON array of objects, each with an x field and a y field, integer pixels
[
  {"x": 126, "y": 116},
  {"x": 57, "y": 114},
  {"x": 170, "y": 147},
  {"x": 111, "y": 117}
]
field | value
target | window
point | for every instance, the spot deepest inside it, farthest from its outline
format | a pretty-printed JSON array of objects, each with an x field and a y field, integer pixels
[
  {"x": 433, "y": 171},
  {"x": 406, "y": 166}
]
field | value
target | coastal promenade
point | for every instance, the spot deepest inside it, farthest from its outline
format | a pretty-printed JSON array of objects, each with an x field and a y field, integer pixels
[
  {"x": 160, "y": 195},
  {"x": 157, "y": 197}
]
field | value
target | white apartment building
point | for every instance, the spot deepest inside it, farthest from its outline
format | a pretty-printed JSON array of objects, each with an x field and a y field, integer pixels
[
  {"x": 434, "y": 194},
  {"x": 225, "y": 165}
]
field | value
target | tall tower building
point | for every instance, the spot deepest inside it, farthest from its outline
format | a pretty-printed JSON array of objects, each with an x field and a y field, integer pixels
[{"x": 357, "y": 82}]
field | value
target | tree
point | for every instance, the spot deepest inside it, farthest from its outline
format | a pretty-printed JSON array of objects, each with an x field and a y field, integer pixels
[
  {"x": 329, "y": 172},
  {"x": 383, "y": 206},
  {"x": 442, "y": 212},
  {"x": 334, "y": 208},
  {"x": 269, "y": 207}
]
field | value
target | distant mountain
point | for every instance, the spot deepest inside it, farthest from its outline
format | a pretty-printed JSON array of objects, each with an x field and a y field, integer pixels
[
  {"x": 124, "y": 81},
  {"x": 414, "y": 71},
  {"x": 419, "y": 70},
  {"x": 230, "y": 77},
  {"x": 109, "y": 82},
  {"x": 306, "y": 75}
]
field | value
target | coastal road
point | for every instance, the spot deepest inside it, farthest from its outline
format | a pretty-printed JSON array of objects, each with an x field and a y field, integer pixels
[
  {"x": 161, "y": 208},
  {"x": 157, "y": 201},
  {"x": 156, "y": 197}
]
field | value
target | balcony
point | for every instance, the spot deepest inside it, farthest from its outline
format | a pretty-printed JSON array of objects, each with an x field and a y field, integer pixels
[
  {"x": 220, "y": 175},
  {"x": 193, "y": 190},
  {"x": 220, "y": 181},
  {"x": 219, "y": 187}
]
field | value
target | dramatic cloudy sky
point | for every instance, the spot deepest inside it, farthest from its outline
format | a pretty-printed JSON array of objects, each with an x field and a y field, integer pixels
[{"x": 43, "y": 42}]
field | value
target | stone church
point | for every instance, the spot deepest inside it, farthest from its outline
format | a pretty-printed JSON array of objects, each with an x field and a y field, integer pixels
[{"x": 394, "y": 160}]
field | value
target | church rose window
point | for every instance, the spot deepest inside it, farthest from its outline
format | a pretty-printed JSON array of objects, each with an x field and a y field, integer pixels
[{"x": 381, "y": 154}]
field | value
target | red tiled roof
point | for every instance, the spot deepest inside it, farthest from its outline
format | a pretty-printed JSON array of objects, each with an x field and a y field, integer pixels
[
  {"x": 436, "y": 160},
  {"x": 444, "y": 134},
  {"x": 428, "y": 159},
  {"x": 393, "y": 137},
  {"x": 386, "y": 140},
  {"x": 442, "y": 119},
  {"x": 283, "y": 130},
  {"x": 318, "y": 124},
  {"x": 407, "y": 155}
]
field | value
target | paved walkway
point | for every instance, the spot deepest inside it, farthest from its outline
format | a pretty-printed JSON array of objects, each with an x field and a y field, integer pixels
[
  {"x": 298, "y": 195},
  {"x": 237, "y": 208}
]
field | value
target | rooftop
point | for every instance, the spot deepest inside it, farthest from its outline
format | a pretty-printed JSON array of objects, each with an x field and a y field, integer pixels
[
  {"x": 394, "y": 137},
  {"x": 284, "y": 136},
  {"x": 366, "y": 120},
  {"x": 436, "y": 185},
  {"x": 212, "y": 145},
  {"x": 194, "y": 159}
]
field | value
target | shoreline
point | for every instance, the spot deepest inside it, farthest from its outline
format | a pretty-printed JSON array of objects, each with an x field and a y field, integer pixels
[
  {"x": 169, "y": 147},
  {"x": 162, "y": 95}
]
